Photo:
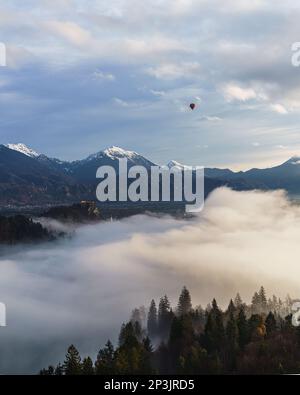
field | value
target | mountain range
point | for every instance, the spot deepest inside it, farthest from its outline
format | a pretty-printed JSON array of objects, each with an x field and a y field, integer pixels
[{"x": 29, "y": 178}]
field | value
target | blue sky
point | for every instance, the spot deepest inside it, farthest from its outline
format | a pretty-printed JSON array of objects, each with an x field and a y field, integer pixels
[{"x": 84, "y": 75}]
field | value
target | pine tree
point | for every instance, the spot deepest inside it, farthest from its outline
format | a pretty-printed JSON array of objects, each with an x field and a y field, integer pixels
[
  {"x": 87, "y": 367},
  {"x": 231, "y": 308},
  {"x": 47, "y": 372},
  {"x": 243, "y": 331},
  {"x": 165, "y": 317},
  {"x": 146, "y": 357},
  {"x": 184, "y": 303},
  {"x": 232, "y": 332},
  {"x": 105, "y": 360},
  {"x": 231, "y": 341},
  {"x": 255, "y": 304},
  {"x": 270, "y": 323},
  {"x": 72, "y": 364},
  {"x": 130, "y": 335},
  {"x": 214, "y": 333},
  {"x": 262, "y": 299},
  {"x": 238, "y": 301},
  {"x": 59, "y": 370},
  {"x": 152, "y": 320}
]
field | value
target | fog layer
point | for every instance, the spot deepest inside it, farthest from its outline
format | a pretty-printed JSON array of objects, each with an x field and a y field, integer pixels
[{"x": 80, "y": 290}]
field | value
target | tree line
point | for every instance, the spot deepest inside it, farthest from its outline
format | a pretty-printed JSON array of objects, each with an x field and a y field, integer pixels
[{"x": 258, "y": 338}]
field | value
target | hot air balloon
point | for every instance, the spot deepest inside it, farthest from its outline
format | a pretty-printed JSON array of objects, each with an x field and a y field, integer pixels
[{"x": 192, "y": 106}]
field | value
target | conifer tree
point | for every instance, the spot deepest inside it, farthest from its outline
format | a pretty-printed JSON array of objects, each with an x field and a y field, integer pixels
[
  {"x": 59, "y": 370},
  {"x": 152, "y": 320},
  {"x": 214, "y": 328},
  {"x": 87, "y": 367},
  {"x": 72, "y": 364},
  {"x": 146, "y": 357},
  {"x": 165, "y": 316},
  {"x": 231, "y": 341},
  {"x": 262, "y": 299},
  {"x": 105, "y": 360},
  {"x": 231, "y": 308},
  {"x": 238, "y": 301},
  {"x": 47, "y": 372},
  {"x": 243, "y": 332},
  {"x": 232, "y": 332},
  {"x": 255, "y": 304},
  {"x": 184, "y": 303},
  {"x": 130, "y": 334},
  {"x": 270, "y": 323}
]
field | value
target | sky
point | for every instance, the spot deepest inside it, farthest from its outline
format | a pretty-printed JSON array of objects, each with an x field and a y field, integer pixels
[
  {"x": 80, "y": 289},
  {"x": 85, "y": 75}
]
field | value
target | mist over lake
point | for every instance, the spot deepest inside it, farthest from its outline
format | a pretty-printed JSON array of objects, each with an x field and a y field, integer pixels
[{"x": 80, "y": 289}]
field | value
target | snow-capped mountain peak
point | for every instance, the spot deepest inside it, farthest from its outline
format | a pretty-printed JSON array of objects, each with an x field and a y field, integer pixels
[
  {"x": 178, "y": 166},
  {"x": 294, "y": 160},
  {"x": 117, "y": 152},
  {"x": 113, "y": 153},
  {"x": 23, "y": 149}
]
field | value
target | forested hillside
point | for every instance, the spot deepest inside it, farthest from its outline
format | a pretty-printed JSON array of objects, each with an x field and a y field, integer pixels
[{"x": 258, "y": 338}]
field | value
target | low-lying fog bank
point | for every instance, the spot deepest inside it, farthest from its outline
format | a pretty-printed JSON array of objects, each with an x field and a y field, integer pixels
[{"x": 80, "y": 290}]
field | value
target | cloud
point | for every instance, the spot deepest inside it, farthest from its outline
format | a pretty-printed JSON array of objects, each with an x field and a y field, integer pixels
[
  {"x": 210, "y": 118},
  {"x": 172, "y": 71},
  {"x": 234, "y": 92},
  {"x": 279, "y": 108},
  {"x": 70, "y": 31},
  {"x": 99, "y": 75},
  {"x": 184, "y": 48},
  {"x": 157, "y": 93},
  {"x": 120, "y": 102},
  {"x": 81, "y": 289}
]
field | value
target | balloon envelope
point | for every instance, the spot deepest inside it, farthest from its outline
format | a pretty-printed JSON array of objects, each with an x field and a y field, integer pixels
[{"x": 192, "y": 106}]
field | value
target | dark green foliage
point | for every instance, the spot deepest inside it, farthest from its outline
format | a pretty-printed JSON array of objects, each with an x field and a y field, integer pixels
[
  {"x": 165, "y": 317},
  {"x": 243, "y": 329},
  {"x": 129, "y": 335},
  {"x": 197, "y": 341},
  {"x": 270, "y": 324},
  {"x": 214, "y": 333},
  {"x": 72, "y": 364},
  {"x": 48, "y": 372},
  {"x": 80, "y": 212},
  {"x": 87, "y": 367},
  {"x": 231, "y": 308},
  {"x": 59, "y": 370},
  {"x": 105, "y": 360},
  {"x": 232, "y": 342},
  {"x": 152, "y": 323},
  {"x": 185, "y": 302},
  {"x": 21, "y": 229}
]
